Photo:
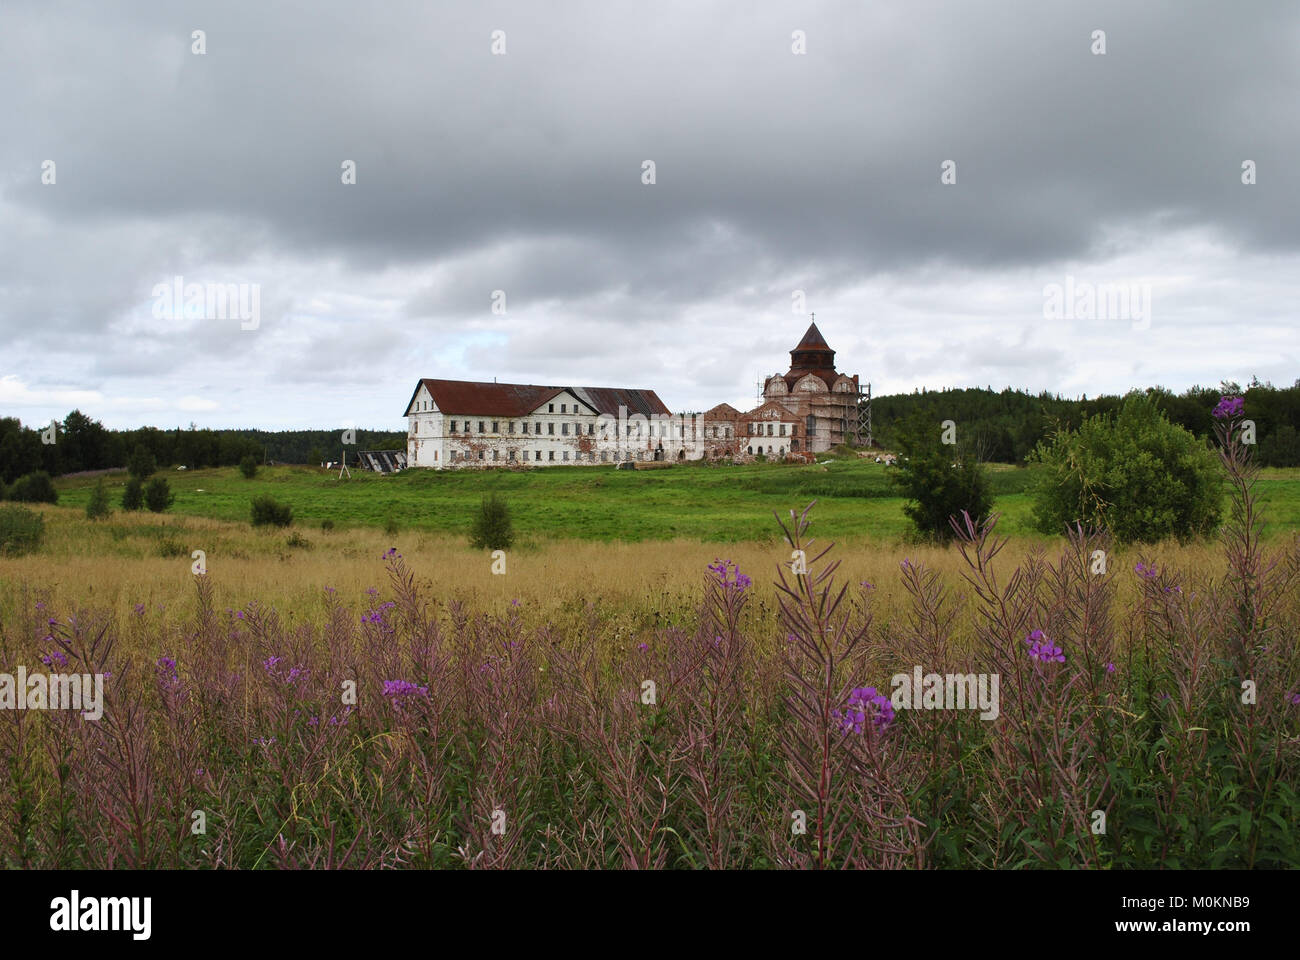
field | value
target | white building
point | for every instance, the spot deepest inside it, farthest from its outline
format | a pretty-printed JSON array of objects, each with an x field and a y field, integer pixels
[{"x": 454, "y": 424}]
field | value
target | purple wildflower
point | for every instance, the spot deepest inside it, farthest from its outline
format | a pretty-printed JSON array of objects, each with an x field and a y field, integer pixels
[
  {"x": 729, "y": 575},
  {"x": 1110, "y": 668},
  {"x": 864, "y": 703},
  {"x": 1229, "y": 407},
  {"x": 1040, "y": 648},
  {"x": 398, "y": 689},
  {"x": 1145, "y": 571}
]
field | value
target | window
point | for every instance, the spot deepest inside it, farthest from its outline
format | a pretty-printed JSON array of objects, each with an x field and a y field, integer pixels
[
  {"x": 550, "y": 429},
  {"x": 538, "y": 455},
  {"x": 591, "y": 429},
  {"x": 480, "y": 454},
  {"x": 604, "y": 456},
  {"x": 453, "y": 425},
  {"x": 512, "y": 455},
  {"x": 494, "y": 454},
  {"x": 727, "y": 432},
  {"x": 577, "y": 429},
  {"x": 811, "y": 426},
  {"x": 550, "y": 455},
  {"x": 769, "y": 429},
  {"x": 480, "y": 427},
  {"x": 415, "y": 427},
  {"x": 494, "y": 427},
  {"x": 537, "y": 427},
  {"x": 566, "y": 455},
  {"x": 512, "y": 426},
  {"x": 564, "y": 429},
  {"x": 751, "y": 451},
  {"x": 524, "y": 424},
  {"x": 563, "y": 408},
  {"x": 467, "y": 426},
  {"x": 551, "y": 408},
  {"x": 715, "y": 432},
  {"x": 783, "y": 429}
]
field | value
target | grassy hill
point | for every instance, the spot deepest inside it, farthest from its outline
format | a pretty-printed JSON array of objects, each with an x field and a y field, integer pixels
[{"x": 693, "y": 501}]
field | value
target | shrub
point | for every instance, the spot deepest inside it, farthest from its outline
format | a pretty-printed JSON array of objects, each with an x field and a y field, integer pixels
[
  {"x": 158, "y": 495},
  {"x": 141, "y": 463},
  {"x": 133, "y": 495},
  {"x": 267, "y": 510},
  {"x": 21, "y": 531},
  {"x": 298, "y": 541},
  {"x": 34, "y": 488},
  {"x": 248, "y": 467},
  {"x": 170, "y": 547},
  {"x": 326, "y": 526},
  {"x": 940, "y": 480},
  {"x": 492, "y": 529},
  {"x": 97, "y": 506},
  {"x": 1135, "y": 474}
]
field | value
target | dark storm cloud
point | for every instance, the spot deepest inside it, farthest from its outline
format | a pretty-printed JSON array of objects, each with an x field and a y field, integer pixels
[{"x": 522, "y": 173}]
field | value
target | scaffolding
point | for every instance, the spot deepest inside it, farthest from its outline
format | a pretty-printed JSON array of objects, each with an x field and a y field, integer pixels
[{"x": 862, "y": 434}]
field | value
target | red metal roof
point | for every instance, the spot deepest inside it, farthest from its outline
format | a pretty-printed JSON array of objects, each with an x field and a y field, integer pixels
[
  {"x": 518, "y": 399},
  {"x": 488, "y": 399}
]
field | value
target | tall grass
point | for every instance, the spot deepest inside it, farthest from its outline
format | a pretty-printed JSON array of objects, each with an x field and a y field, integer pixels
[{"x": 408, "y": 708}]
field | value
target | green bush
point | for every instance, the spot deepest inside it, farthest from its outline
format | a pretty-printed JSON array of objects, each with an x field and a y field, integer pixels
[
  {"x": 492, "y": 529},
  {"x": 141, "y": 463},
  {"x": 1135, "y": 474},
  {"x": 97, "y": 506},
  {"x": 940, "y": 480},
  {"x": 34, "y": 488},
  {"x": 298, "y": 541},
  {"x": 133, "y": 495},
  {"x": 158, "y": 495},
  {"x": 326, "y": 526},
  {"x": 171, "y": 547},
  {"x": 267, "y": 510},
  {"x": 248, "y": 467},
  {"x": 21, "y": 531}
]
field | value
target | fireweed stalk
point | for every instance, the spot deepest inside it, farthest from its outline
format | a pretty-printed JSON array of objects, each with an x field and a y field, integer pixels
[{"x": 835, "y": 777}]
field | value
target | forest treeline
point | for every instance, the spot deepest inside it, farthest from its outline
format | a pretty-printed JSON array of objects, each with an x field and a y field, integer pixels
[
  {"x": 1003, "y": 427},
  {"x": 81, "y": 443}
]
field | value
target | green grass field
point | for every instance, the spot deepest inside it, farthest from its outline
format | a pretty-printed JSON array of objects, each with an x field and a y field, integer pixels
[{"x": 695, "y": 501}]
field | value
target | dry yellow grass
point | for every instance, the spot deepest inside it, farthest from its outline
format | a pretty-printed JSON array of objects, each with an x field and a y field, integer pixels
[{"x": 117, "y": 563}]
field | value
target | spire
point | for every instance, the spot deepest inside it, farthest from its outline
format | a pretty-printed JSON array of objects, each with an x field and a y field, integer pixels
[{"x": 813, "y": 339}]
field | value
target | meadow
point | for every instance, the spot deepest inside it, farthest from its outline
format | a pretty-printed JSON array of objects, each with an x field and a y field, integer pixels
[{"x": 648, "y": 684}]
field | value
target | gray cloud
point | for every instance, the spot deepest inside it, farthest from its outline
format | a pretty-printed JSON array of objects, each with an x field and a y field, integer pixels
[{"x": 775, "y": 172}]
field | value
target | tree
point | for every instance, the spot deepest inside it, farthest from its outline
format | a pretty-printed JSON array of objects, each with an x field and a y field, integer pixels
[
  {"x": 248, "y": 466},
  {"x": 1281, "y": 448},
  {"x": 940, "y": 480},
  {"x": 34, "y": 488},
  {"x": 97, "y": 506},
  {"x": 158, "y": 495},
  {"x": 133, "y": 495},
  {"x": 142, "y": 465},
  {"x": 1134, "y": 473},
  {"x": 492, "y": 528}
]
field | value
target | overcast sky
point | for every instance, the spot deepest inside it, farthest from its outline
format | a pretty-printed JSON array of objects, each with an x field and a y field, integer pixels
[{"x": 775, "y": 172}]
